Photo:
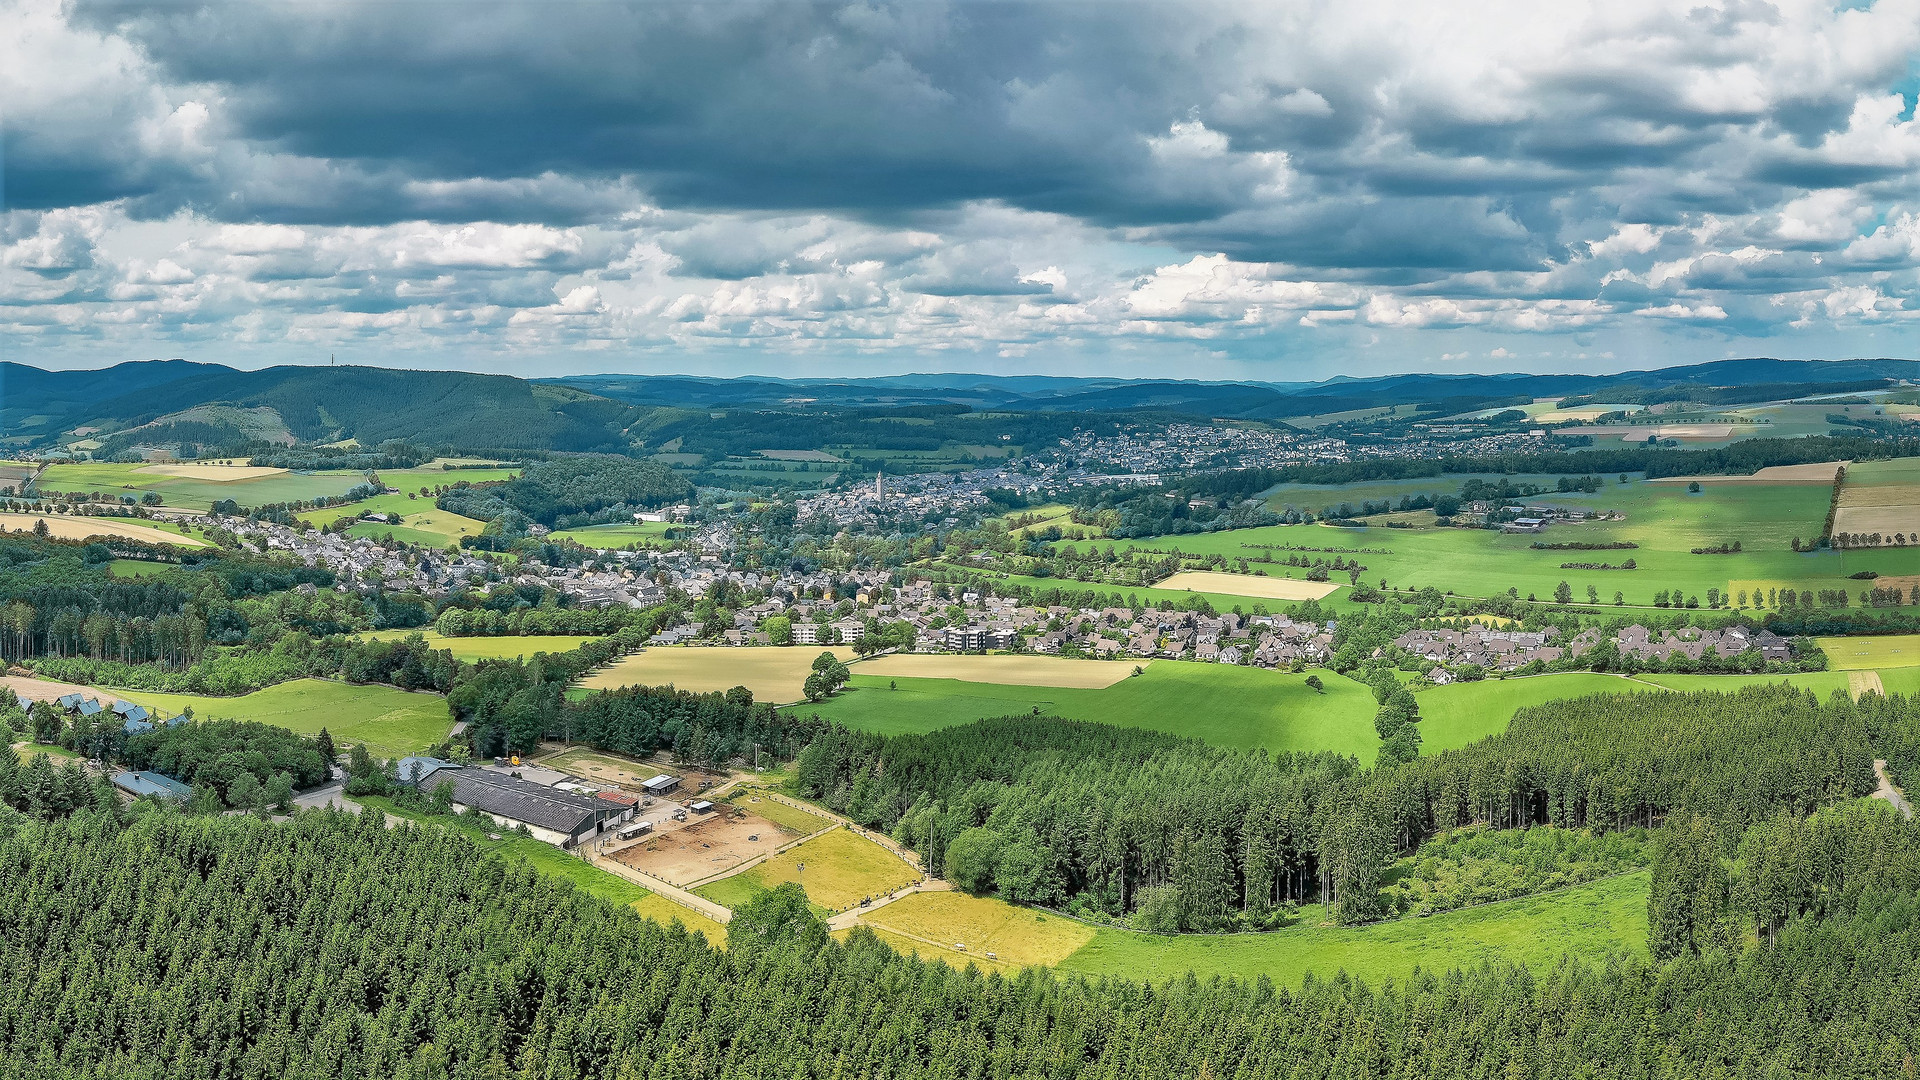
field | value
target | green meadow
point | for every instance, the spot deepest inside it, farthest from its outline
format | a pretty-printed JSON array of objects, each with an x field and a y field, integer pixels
[
  {"x": 391, "y": 722},
  {"x": 1663, "y": 519},
  {"x": 488, "y": 648},
  {"x": 1240, "y": 707},
  {"x": 1589, "y": 922},
  {"x": 640, "y": 533}
]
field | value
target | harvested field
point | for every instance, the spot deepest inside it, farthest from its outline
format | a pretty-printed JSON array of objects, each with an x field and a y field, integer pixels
[
  {"x": 1885, "y": 520},
  {"x": 79, "y": 528},
  {"x": 773, "y": 674},
  {"x": 1008, "y": 670},
  {"x": 705, "y": 846},
  {"x": 1269, "y": 588},
  {"x": 1860, "y": 683},
  {"x": 1819, "y": 472},
  {"x": 1879, "y": 495},
  {"x": 41, "y": 689},
  {"x": 219, "y": 474},
  {"x": 1638, "y": 432}
]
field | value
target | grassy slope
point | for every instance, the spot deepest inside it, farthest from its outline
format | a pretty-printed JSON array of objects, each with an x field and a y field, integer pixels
[
  {"x": 1453, "y": 716},
  {"x": 1589, "y": 921},
  {"x": 643, "y": 533},
  {"x": 1228, "y": 706},
  {"x": 388, "y": 720}
]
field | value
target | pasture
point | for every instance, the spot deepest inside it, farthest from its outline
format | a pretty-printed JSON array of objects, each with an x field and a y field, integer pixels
[
  {"x": 837, "y": 869},
  {"x": 665, "y": 912},
  {"x": 1264, "y": 588},
  {"x": 1882, "y": 651},
  {"x": 787, "y": 816},
  {"x": 1464, "y": 712},
  {"x": 639, "y": 534},
  {"x": 1239, "y": 707},
  {"x": 930, "y": 924},
  {"x": 128, "y": 569},
  {"x": 66, "y": 527},
  {"x": 389, "y": 721},
  {"x": 1665, "y": 522},
  {"x": 1588, "y": 922},
  {"x": 773, "y": 674},
  {"x": 487, "y": 648},
  {"x": 1016, "y": 670}
]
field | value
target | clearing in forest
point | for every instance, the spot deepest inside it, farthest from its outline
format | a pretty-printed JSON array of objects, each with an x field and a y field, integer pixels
[
  {"x": 1020, "y": 670},
  {"x": 505, "y": 646},
  {"x": 1589, "y": 922},
  {"x": 1267, "y": 588}
]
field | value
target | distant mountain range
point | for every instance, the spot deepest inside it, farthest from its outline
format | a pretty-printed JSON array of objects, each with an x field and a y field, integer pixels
[{"x": 606, "y": 412}]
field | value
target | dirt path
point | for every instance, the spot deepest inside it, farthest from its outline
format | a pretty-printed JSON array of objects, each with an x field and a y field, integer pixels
[
  {"x": 1889, "y": 792},
  {"x": 853, "y": 916},
  {"x": 1864, "y": 682}
]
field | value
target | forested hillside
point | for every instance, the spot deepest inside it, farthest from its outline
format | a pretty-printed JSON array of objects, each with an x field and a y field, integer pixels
[{"x": 337, "y": 947}]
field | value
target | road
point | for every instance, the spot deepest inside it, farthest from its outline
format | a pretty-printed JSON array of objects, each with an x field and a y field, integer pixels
[{"x": 1889, "y": 792}]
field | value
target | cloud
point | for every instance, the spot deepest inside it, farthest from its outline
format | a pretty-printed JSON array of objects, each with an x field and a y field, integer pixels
[{"x": 1024, "y": 179}]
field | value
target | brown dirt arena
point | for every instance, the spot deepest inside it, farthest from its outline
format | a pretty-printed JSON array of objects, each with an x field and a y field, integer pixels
[{"x": 702, "y": 847}]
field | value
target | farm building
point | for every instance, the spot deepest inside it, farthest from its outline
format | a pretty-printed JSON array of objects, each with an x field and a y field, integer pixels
[
  {"x": 661, "y": 785},
  {"x": 557, "y": 817},
  {"x": 700, "y": 806},
  {"x": 137, "y": 784},
  {"x": 417, "y": 771}
]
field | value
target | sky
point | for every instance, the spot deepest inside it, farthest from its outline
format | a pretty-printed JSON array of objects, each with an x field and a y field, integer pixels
[{"x": 1273, "y": 191}]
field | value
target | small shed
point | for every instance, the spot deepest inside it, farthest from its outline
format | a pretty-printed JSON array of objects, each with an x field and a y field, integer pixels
[
  {"x": 701, "y": 806},
  {"x": 661, "y": 785}
]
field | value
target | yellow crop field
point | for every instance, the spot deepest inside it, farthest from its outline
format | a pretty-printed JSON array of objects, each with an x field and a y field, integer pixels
[
  {"x": 1863, "y": 653},
  {"x": 79, "y": 528},
  {"x": 773, "y": 674},
  {"x": 1268, "y": 588},
  {"x": 1011, "y": 670}
]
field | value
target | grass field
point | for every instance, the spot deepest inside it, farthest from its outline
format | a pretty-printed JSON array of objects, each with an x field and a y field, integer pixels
[
  {"x": 64, "y": 527},
  {"x": 1240, "y": 707},
  {"x": 1891, "y": 650},
  {"x": 1022, "y": 670},
  {"x": 1460, "y": 713},
  {"x": 841, "y": 868},
  {"x": 126, "y": 569},
  {"x": 666, "y": 912},
  {"x": 390, "y": 721},
  {"x": 1821, "y": 683},
  {"x": 1665, "y": 521},
  {"x": 1271, "y": 587},
  {"x": 420, "y": 521},
  {"x": 538, "y": 854},
  {"x": 773, "y": 674},
  {"x": 1590, "y": 922},
  {"x": 790, "y": 818},
  {"x": 930, "y": 924},
  {"x": 488, "y": 648},
  {"x": 640, "y": 533},
  {"x": 199, "y": 494}
]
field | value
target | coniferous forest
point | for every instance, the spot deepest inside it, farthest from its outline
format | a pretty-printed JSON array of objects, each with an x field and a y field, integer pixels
[{"x": 336, "y": 946}]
